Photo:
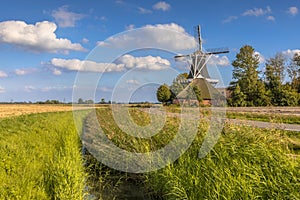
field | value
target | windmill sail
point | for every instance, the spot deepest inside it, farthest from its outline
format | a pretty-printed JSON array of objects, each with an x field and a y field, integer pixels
[{"x": 198, "y": 60}]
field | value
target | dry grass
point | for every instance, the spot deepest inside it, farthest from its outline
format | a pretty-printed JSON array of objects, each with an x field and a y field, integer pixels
[{"x": 9, "y": 110}]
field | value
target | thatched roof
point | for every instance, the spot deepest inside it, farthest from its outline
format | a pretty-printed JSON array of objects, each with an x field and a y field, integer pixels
[{"x": 208, "y": 92}]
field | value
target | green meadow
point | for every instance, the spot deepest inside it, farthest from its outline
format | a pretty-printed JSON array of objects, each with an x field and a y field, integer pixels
[{"x": 41, "y": 158}]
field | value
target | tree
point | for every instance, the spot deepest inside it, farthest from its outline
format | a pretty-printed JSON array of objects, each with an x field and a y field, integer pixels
[
  {"x": 274, "y": 78},
  {"x": 80, "y": 101},
  {"x": 102, "y": 101},
  {"x": 294, "y": 72},
  {"x": 179, "y": 83},
  {"x": 163, "y": 93},
  {"x": 238, "y": 98},
  {"x": 245, "y": 74}
]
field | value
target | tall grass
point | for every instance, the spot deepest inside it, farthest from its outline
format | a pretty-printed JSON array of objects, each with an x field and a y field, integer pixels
[
  {"x": 41, "y": 158},
  {"x": 246, "y": 163}
]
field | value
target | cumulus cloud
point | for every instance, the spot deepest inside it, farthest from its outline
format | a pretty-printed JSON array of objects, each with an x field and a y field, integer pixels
[
  {"x": 39, "y": 37},
  {"x": 123, "y": 63},
  {"x": 290, "y": 53},
  {"x": 230, "y": 19},
  {"x": 56, "y": 72},
  {"x": 292, "y": 11},
  {"x": 164, "y": 36},
  {"x": 144, "y": 10},
  {"x": 161, "y": 5},
  {"x": 3, "y": 74},
  {"x": 90, "y": 66},
  {"x": 145, "y": 63},
  {"x": 257, "y": 11},
  {"x": 271, "y": 18},
  {"x": 65, "y": 18},
  {"x": 262, "y": 59},
  {"x": 2, "y": 89},
  {"x": 220, "y": 61}
]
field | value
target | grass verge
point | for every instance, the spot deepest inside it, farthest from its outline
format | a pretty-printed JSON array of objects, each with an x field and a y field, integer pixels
[{"x": 41, "y": 157}]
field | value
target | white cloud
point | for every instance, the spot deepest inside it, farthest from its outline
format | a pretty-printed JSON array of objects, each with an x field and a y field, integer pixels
[
  {"x": 133, "y": 81},
  {"x": 292, "y": 11},
  {"x": 164, "y": 36},
  {"x": 262, "y": 59},
  {"x": 3, "y": 74},
  {"x": 21, "y": 72},
  {"x": 55, "y": 88},
  {"x": 85, "y": 40},
  {"x": 90, "y": 66},
  {"x": 290, "y": 53},
  {"x": 161, "y": 6},
  {"x": 220, "y": 61},
  {"x": 257, "y": 12},
  {"x": 271, "y": 18},
  {"x": 65, "y": 18},
  {"x": 144, "y": 63},
  {"x": 230, "y": 19},
  {"x": 39, "y": 37},
  {"x": 144, "y": 10},
  {"x": 2, "y": 89},
  {"x": 123, "y": 63},
  {"x": 56, "y": 72},
  {"x": 29, "y": 88}
]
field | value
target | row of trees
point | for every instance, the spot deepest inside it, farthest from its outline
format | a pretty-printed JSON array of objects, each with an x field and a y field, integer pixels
[{"x": 251, "y": 87}]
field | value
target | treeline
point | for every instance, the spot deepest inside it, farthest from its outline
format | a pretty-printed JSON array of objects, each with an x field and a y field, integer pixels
[{"x": 278, "y": 85}]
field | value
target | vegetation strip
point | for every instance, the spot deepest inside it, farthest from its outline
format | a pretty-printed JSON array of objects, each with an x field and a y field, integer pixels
[
  {"x": 246, "y": 163},
  {"x": 41, "y": 157}
]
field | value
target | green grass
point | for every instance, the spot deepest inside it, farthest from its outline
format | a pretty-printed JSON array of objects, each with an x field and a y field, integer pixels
[
  {"x": 246, "y": 163},
  {"x": 41, "y": 157},
  {"x": 275, "y": 118}
]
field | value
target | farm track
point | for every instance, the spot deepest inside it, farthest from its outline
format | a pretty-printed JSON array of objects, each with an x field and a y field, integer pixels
[{"x": 289, "y": 111}]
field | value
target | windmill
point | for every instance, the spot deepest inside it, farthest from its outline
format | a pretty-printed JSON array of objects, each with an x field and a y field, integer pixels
[{"x": 198, "y": 59}]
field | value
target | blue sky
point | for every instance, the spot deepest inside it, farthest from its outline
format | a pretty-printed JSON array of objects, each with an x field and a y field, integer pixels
[{"x": 45, "y": 45}]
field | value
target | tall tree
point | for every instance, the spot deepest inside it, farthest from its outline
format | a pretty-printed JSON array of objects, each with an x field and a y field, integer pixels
[
  {"x": 237, "y": 98},
  {"x": 163, "y": 93},
  {"x": 274, "y": 75},
  {"x": 246, "y": 75},
  {"x": 294, "y": 72},
  {"x": 179, "y": 83}
]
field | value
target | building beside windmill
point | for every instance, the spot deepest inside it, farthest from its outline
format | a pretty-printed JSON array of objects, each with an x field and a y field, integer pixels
[{"x": 198, "y": 75}]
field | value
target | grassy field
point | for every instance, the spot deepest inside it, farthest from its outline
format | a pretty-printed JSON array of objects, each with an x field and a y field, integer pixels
[
  {"x": 41, "y": 157},
  {"x": 246, "y": 163}
]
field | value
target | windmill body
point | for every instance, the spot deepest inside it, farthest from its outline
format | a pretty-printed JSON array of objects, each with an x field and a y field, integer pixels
[{"x": 198, "y": 75}]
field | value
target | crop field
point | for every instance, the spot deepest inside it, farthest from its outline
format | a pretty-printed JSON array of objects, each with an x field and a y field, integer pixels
[
  {"x": 9, "y": 110},
  {"x": 41, "y": 158}
]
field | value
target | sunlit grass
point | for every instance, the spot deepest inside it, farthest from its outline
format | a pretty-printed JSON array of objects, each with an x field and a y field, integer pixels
[{"x": 41, "y": 157}]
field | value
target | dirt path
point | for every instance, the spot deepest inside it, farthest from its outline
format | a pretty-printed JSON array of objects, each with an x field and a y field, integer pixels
[{"x": 270, "y": 125}]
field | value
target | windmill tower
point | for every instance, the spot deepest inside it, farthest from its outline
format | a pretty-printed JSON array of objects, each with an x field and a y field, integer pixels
[{"x": 197, "y": 60}]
